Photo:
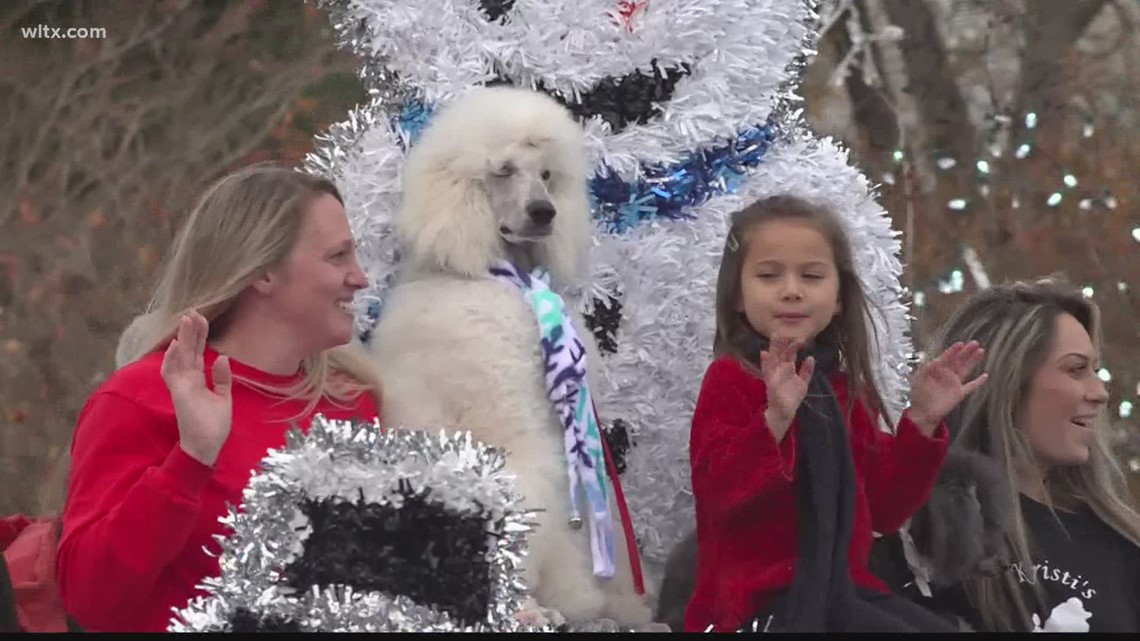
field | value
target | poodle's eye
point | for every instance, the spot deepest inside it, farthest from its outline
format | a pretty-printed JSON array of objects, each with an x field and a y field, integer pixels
[
  {"x": 496, "y": 10},
  {"x": 546, "y": 174},
  {"x": 505, "y": 171}
]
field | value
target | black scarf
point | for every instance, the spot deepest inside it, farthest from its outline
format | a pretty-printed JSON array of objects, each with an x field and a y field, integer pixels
[{"x": 821, "y": 594}]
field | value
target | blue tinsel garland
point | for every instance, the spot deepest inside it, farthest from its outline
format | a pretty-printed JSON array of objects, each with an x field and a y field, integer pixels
[
  {"x": 411, "y": 121},
  {"x": 671, "y": 191}
]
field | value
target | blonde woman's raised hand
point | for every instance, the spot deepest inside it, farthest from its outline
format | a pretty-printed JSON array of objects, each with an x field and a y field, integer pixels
[{"x": 204, "y": 415}]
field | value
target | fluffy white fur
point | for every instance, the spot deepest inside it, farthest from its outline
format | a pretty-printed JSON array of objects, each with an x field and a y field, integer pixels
[{"x": 459, "y": 349}]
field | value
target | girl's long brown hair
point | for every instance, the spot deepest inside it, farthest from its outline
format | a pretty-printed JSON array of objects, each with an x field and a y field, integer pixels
[{"x": 851, "y": 330}]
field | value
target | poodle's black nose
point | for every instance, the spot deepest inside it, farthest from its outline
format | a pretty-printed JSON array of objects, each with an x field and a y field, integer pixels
[{"x": 540, "y": 211}]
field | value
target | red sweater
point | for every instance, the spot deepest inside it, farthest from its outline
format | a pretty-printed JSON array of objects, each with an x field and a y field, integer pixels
[
  {"x": 744, "y": 485},
  {"x": 139, "y": 509}
]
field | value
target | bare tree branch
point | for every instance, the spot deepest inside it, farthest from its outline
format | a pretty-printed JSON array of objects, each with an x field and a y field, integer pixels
[
  {"x": 872, "y": 111},
  {"x": 1051, "y": 29},
  {"x": 945, "y": 119},
  {"x": 1123, "y": 11}
]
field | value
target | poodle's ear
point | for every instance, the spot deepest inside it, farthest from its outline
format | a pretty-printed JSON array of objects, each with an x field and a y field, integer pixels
[
  {"x": 445, "y": 217},
  {"x": 569, "y": 248}
]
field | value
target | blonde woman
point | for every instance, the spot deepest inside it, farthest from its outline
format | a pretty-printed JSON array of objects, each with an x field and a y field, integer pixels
[
  {"x": 246, "y": 335},
  {"x": 1069, "y": 560}
]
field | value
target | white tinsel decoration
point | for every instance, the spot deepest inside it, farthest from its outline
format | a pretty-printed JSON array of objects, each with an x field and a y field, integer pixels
[
  {"x": 742, "y": 55},
  {"x": 739, "y": 51},
  {"x": 357, "y": 463}
]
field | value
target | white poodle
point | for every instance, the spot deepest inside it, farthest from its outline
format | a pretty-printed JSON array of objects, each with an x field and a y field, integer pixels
[{"x": 499, "y": 175}]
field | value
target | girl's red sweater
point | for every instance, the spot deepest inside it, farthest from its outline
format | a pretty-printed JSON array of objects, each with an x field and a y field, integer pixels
[{"x": 745, "y": 489}]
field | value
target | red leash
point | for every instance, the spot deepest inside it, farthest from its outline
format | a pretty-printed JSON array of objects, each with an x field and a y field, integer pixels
[{"x": 626, "y": 522}]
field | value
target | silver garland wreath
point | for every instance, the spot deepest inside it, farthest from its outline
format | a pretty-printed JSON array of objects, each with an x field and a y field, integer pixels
[{"x": 411, "y": 482}]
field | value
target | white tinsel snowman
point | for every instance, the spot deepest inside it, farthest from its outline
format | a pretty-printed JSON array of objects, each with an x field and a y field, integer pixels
[{"x": 676, "y": 98}]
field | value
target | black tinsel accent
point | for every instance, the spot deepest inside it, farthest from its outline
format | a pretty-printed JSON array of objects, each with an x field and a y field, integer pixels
[
  {"x": 496, "y": 10},
  {"x": 617, "y": 439},
  {"x": 603, "y": 323},
  {"x": 424, "y": 551},
  {"x": 628, "y": 99},
  {"x": 243, "y": 621},
  {"x": 621, "y": 100}
]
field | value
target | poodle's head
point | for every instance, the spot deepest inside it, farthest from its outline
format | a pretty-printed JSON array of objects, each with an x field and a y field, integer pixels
[{"x": 500, "y": 174}]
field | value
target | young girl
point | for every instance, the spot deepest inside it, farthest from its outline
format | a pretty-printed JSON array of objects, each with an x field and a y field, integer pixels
[{"x": 790, "y": 471}]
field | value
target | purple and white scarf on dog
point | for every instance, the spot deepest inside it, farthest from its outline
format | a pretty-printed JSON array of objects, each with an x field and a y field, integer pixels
[{"x": 564, "y": 359}]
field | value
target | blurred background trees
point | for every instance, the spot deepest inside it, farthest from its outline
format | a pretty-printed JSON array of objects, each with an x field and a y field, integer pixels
[
  {"x": 1003, "y": 134},
  {"x": 103, "y": 143}
]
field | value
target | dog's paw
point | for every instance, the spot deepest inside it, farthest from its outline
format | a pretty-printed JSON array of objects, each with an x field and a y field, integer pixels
[
  {"x": 653, "y": 626},
  {"x": 533, "y": 615}
]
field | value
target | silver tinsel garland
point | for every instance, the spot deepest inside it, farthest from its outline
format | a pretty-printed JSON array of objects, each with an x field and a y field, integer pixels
[
  {"x": 353, "y": 461},
  {"x": 745, "y": 59}
]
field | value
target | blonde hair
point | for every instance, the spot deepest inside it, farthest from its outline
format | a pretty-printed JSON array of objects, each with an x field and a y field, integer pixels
[
  {"x": 850, "y": 331},
  {"x": 1016, "y": 324},
  {"x": 243, "y": 225}
]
